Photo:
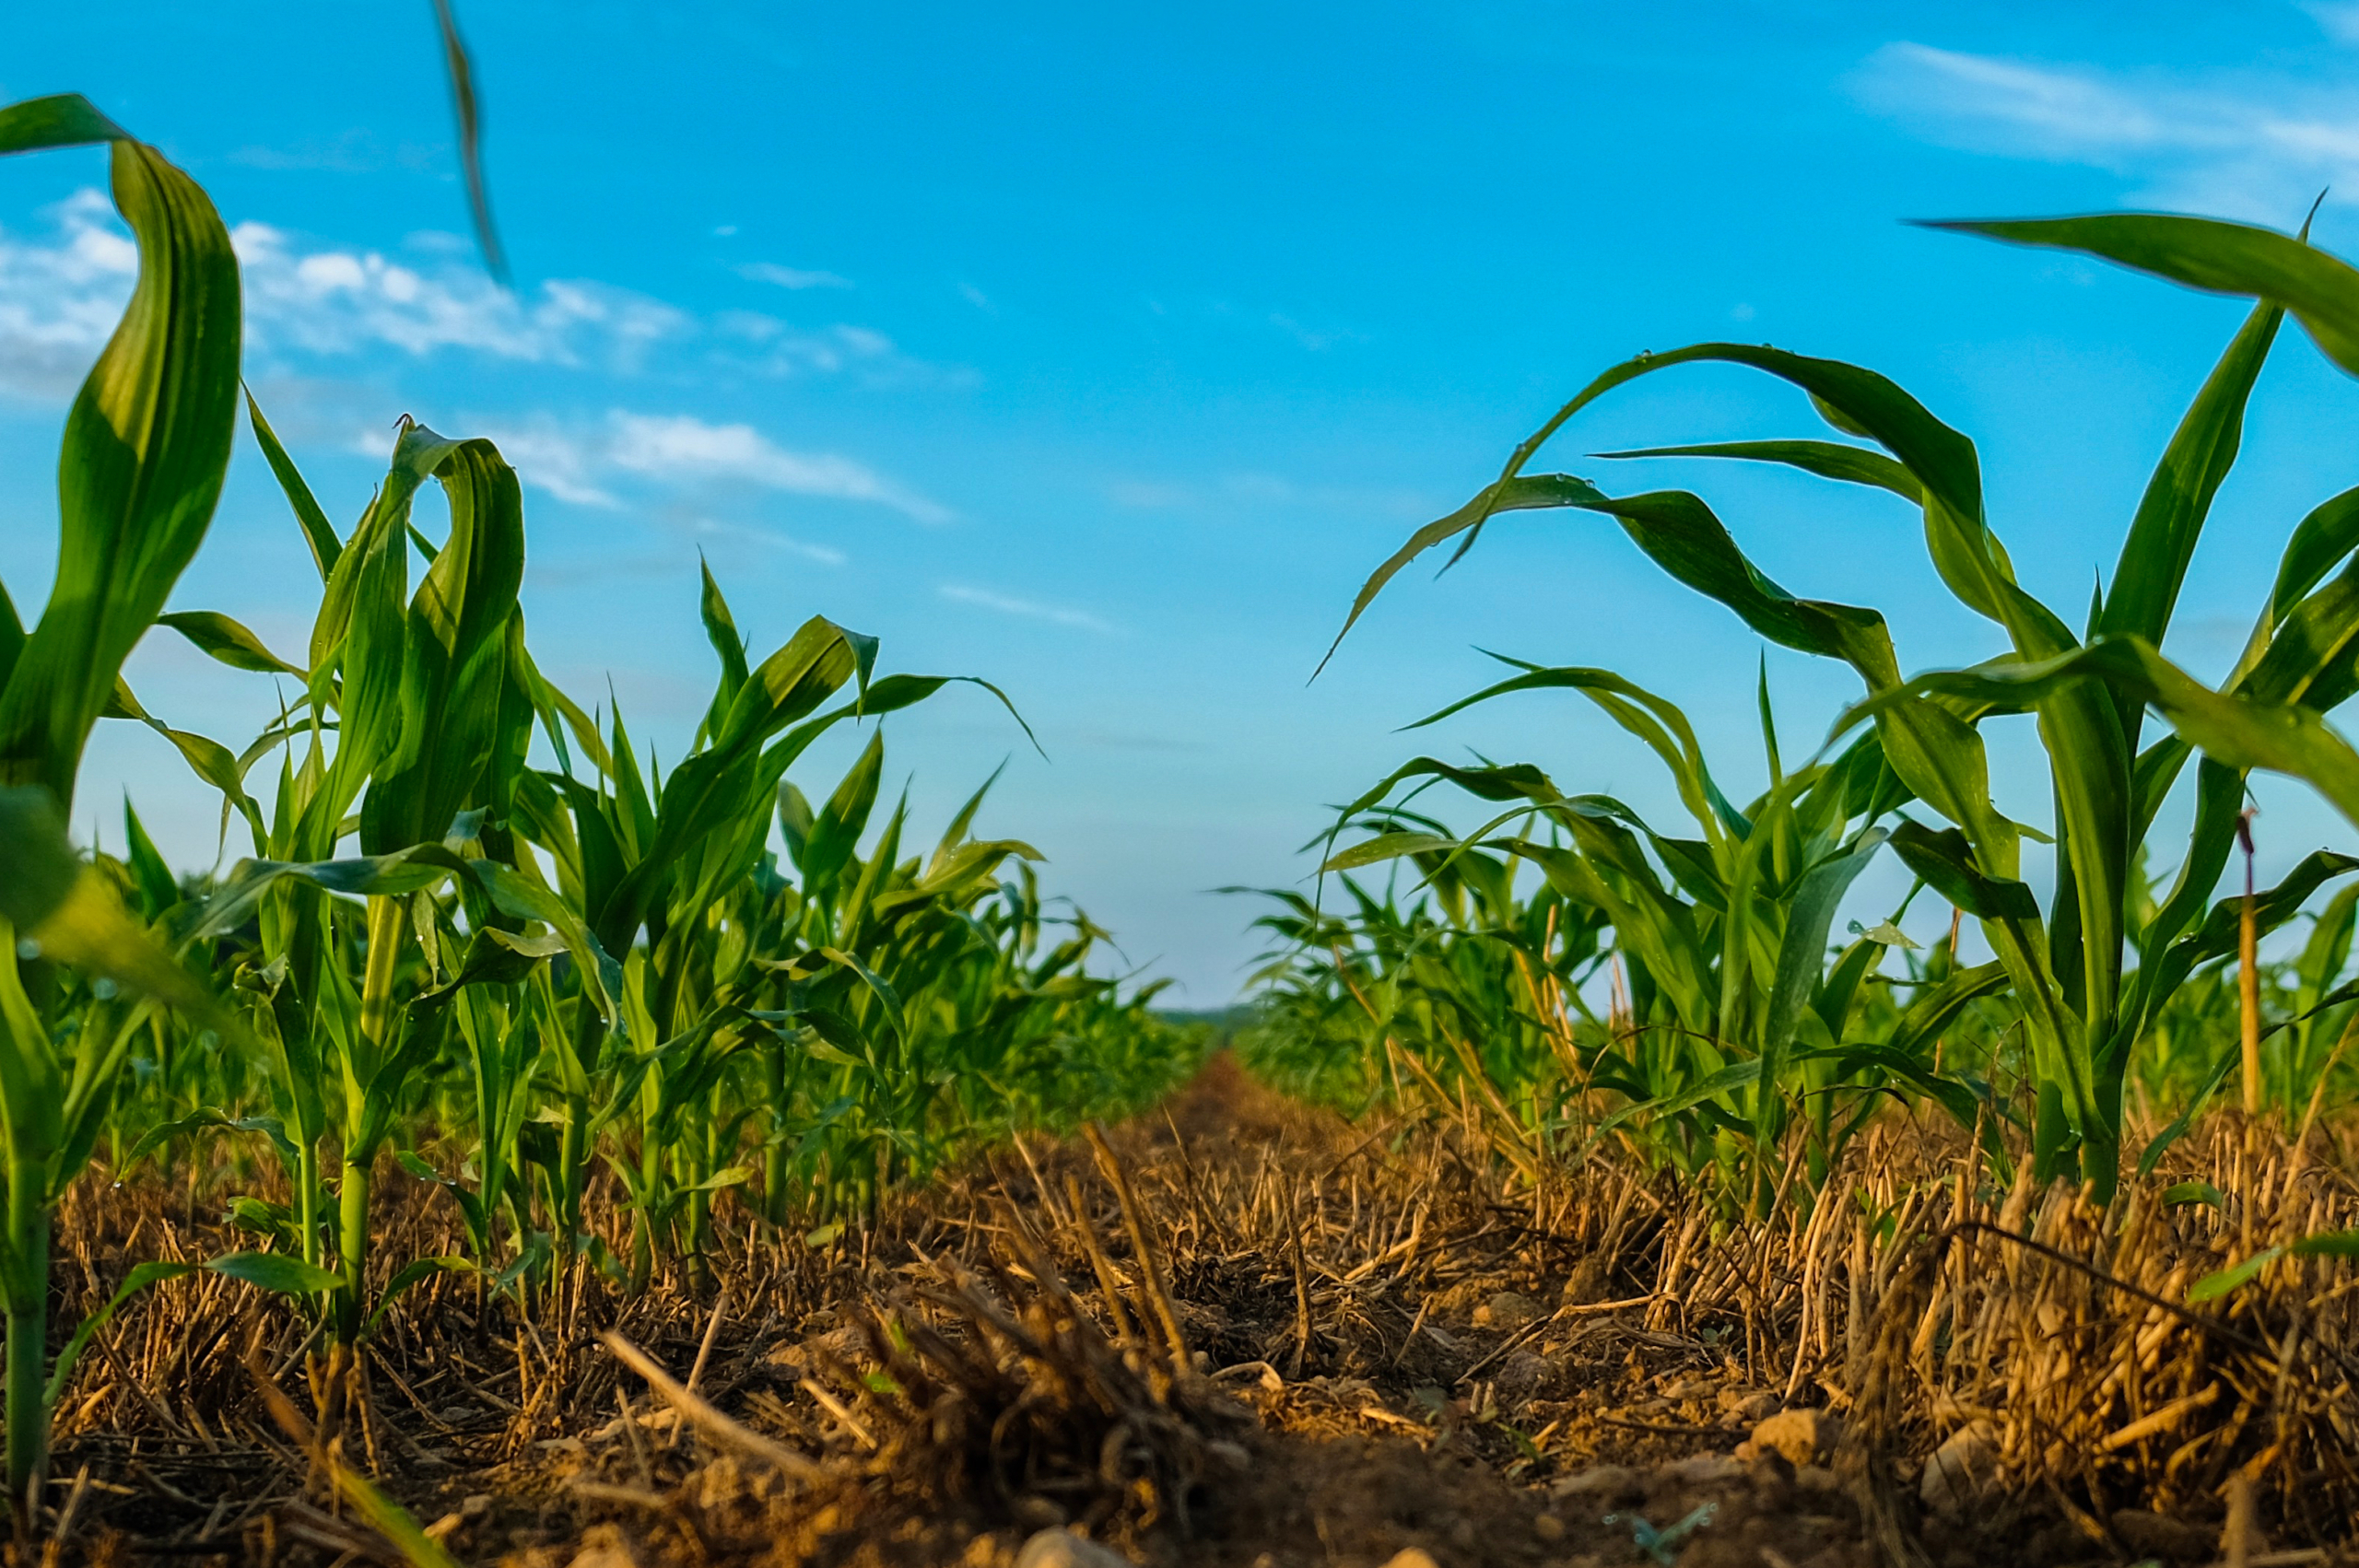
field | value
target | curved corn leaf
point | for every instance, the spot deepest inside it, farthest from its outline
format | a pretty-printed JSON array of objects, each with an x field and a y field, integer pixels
[{"x": 146, "y": 447}]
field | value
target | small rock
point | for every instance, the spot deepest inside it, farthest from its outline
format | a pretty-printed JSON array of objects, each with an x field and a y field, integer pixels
[
  {"x": 1412, "y": 1557},
  {"x": 1705, "y": 1469},
  {"x": 1804, "y": 1437},
  {"x": 2155, "y": 1535},
  {"x": 477, "y": 1507},
  {"x": 1548, "y": 1528},
  {"x": 1748, "y": 1405},
  {"x": 1509, "y": 1311},
  {"x": 1962, "y": 1472},
  {"x": 1604, "y": 1484},
  {"x": 1063, "y": 1549},
  {"x": 1588, "y": 1283},
  {"x": 456, "y": 1415},
  {"x": 1524, "y": 1375}
]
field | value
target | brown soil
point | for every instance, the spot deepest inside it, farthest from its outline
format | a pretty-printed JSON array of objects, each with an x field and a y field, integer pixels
[{"x": 1382, "y": 1349}]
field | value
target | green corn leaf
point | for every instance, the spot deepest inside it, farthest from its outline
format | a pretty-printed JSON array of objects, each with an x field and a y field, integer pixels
[
  {"x": 2327, "y": 535},
  {"x": 2328, "y": 1244},
  {"x": 2187, "y": 1192},
  {"x": 2162, "y": 535},
  {"x": 462, "y": 738},
  {"x": 219, "y": 637},
  {"x": 2222, "y": 1281},
  {"x": 835, "y": 831},
  {"x": 2218, "y": 257},
  {"x": 1802, "y": 958},
  {"x": 391, "y": 1520},
  {"x": 1829, "y": 460},
  {"x": 460, "y": 66},
  {"x": 318, "y": 532},
  {"x": 720, "y": 630},
  {"x": 205, "y": 1119},
  {"x": 158, "y": 890},
  {"x": 276, "y": 1271},
  {"x": 147, "y": 444},
  {"x": 1943, "y": 859}
]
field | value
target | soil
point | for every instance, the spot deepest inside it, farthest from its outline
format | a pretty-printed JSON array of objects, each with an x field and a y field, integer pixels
[{"x": 1378, "y": 1360}]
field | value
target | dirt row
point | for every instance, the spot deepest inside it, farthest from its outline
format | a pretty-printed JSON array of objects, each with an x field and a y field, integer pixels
[{"x": 1338, "y": 1345}]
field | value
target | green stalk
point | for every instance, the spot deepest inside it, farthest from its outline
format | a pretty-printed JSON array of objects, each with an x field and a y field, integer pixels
[
  {"x": 27, "y": 1300},
  {"x": 385, "y": 920},
  {"x": 307, "y": 1199},
  {"x": 352, "y": 1246}
]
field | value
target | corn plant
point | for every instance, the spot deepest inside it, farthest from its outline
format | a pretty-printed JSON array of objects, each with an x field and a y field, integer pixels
[
  {"x": 2067, "y": 963},
  {"x": 145, "y": 446}
]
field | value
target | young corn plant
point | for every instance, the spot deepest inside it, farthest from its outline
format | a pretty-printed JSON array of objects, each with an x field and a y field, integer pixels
[
  {"x": 1733, "y": 1016},
  {"x": 145, "y": 446},
  {"x": 2068, "y": 963}
]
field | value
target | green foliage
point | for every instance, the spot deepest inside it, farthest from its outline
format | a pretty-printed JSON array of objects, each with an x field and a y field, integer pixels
[
  {"x": 475, "y": 928},
  {"x": 1737, "y": 1026}
]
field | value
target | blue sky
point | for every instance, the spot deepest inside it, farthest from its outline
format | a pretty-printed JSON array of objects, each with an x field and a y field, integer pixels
[{"x": 1102, "y": 351}]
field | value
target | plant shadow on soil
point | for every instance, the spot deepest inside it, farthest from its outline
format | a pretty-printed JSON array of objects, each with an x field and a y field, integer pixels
[{"x": 1347, "y": 1344}]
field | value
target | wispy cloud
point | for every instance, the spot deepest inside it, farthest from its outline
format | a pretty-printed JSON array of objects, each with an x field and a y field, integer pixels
[
  {"x": 330, "y": 300},
  {"x": 790, "y": 277},
  {"x": 594, "y": 463},
  {"x": 355, "y": 151},
  {"x": 770, "y": 539},
  {"x": 1028, "y": 609},
  {"x": 308, "y": 302},
  {"x": 60, "y": 298},
  {"x": 2240, "y": 148},
  {"x": 769, "y": 346}
]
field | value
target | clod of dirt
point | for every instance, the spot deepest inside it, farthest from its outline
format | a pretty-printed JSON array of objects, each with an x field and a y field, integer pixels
[
  {"x": 1962, "y": 1470},
  {"x": 1802, "y": 1437},
  {"x": 1063, "y": 1549},
  {"x": 1750, "y": 1405},
  {"x": 1524, "y": 1375}
]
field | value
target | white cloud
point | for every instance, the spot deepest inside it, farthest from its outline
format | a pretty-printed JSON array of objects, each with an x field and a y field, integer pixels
[
  {"x": 774, "y": 348},
  {"x": 770, "y": 538},
  {"x": 985, "y": 599},
  {"x": 61, "y": 292},
  {"x": 792, "y": 278},
  {"x": 2239, "y": 149},
  {"x": 335, "y": 301},
  {"x": 60, "y": 299},
  {"x": 593, "y": 462}
]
